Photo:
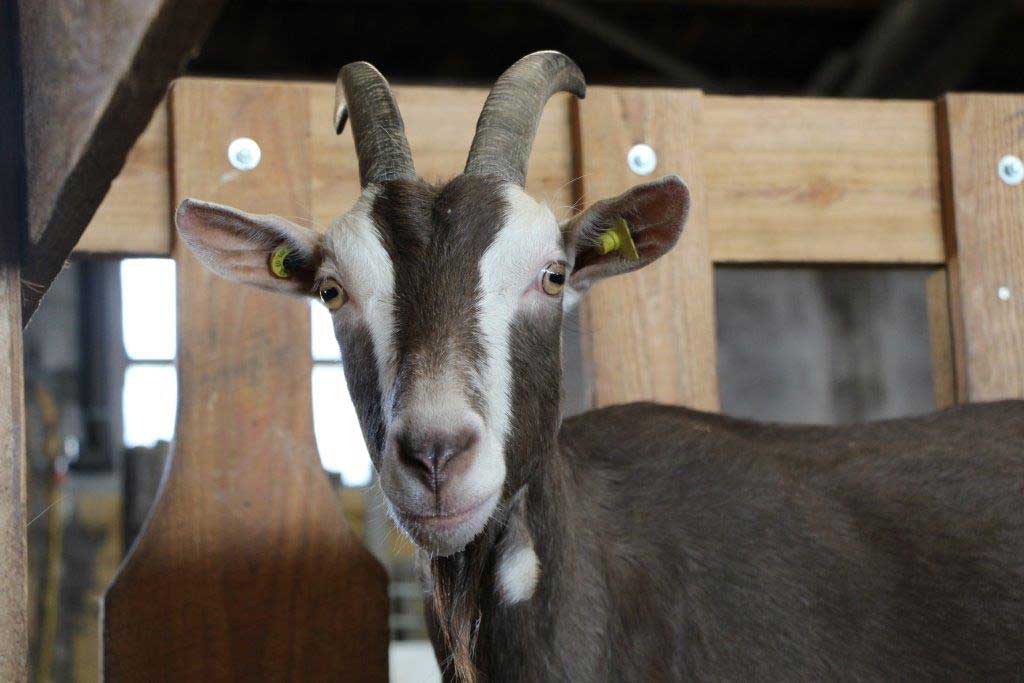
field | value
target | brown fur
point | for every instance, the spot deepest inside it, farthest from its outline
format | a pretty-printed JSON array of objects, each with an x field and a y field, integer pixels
[
  {"x": 681, "y": 545},
  {"x": 673, "y": 544},
  {"x": 678, "y": 545}
]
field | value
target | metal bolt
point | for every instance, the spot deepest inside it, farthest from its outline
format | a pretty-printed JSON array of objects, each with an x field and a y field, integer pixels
[
  {"x": 1003, "y": 293},
  {"x": 1011, "y": 170},
  {"x": 244, "y": 154},
  {"x": 642, "y": 159}
]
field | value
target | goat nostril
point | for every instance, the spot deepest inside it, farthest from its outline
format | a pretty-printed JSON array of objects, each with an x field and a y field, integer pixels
[
  {"x": 429, "y": 454},
  {"x": 442, "y": 453},
  {"x": 411, "y": 451}
]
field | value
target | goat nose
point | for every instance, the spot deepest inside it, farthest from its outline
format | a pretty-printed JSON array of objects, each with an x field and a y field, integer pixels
[{"x": 433, "y": 456}]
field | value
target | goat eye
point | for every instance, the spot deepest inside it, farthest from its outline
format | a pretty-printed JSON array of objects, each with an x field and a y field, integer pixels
[
  {"x": 332, "y": 294},
  {"x": 552, "y": 278}
]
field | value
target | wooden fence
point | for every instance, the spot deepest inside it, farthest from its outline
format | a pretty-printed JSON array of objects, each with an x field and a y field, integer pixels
[{"x": 246, "y": 566}]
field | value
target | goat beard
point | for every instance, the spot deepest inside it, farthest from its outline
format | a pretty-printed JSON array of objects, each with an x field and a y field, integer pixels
[{"x": 458, "y": 586}]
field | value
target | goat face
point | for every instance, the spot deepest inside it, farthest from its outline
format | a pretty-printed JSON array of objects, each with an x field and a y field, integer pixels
[
  {"x": 451, "y": 345},
  {"x": 447, "y": 301}
]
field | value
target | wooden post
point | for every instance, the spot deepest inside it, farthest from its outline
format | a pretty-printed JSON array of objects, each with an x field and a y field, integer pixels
[
  {"x": 984, "y": 223},
  {"x": 94, "y": 73},
  {"x": 650, "y": 335},
  {"x": 13, "y": 561},
  {"x": 246, "y": 569},
  {"x": 13, "y": 570},
  {"x": 940, "y": 336}
]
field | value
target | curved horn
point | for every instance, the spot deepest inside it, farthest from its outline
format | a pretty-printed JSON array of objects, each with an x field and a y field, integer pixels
[
  {"x": 363, "y": 95},
  {"x": 508, "y": 122}
]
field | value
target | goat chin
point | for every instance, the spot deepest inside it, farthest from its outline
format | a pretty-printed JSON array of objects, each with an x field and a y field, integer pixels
[{"x": 444, "y": 534}]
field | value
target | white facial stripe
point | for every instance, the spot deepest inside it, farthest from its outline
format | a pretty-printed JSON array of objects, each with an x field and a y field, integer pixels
[
  {"x": 509, "y": 266},
  {"x": 368, "y": 275}
]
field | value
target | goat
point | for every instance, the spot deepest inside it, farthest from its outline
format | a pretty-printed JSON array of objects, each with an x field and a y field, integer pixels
[{"x": 638, "y": 542}]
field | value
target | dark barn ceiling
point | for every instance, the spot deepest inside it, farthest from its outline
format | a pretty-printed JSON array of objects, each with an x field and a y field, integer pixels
[{"x": 910, "y": 48}]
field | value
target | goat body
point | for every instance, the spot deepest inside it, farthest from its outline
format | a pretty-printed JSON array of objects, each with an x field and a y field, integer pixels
[
  {"x": 677, "y": 545},
  {"x": 639, "y": 542}
]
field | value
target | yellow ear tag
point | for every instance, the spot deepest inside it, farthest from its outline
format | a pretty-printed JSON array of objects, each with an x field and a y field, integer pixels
[
  {"x": 619, "y": 239},
  {"x": 277, "y": 264}
]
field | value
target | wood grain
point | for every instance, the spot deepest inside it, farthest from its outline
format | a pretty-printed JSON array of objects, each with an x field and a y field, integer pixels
[
  {"x": 789, "y": 180},
  {"x": 93, "y": 72},
  {"x": 97, "y": 513},
  {"x": 822, "y": 181},
  {"x": 940, "y": 335},
  {"x": 246, "y": 570},
  {"x": 135, "y": 216},
  {"x": 13, "y": 560},
  {"x": 650, "y": 335},
  {"x": 985, "y": 240}
]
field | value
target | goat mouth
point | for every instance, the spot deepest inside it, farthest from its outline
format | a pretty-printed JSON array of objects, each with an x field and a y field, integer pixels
[
  {"x": 445, "y": 520},
  {"x": 442, "y": 533}
]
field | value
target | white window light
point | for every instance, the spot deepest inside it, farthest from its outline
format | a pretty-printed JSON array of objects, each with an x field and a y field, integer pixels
[
  {"x": 324, "y": 345},
  {"x": 148, "y": 315},
  {"x": 149, "y": 402},
  {"x": 338, "y": 435},
  {"x": 151, "y": 389}
]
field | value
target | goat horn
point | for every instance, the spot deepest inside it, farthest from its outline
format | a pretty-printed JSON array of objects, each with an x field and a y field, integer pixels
[
  {"x": 364, "y": 95},
  {"x": 508, "y": 122}
]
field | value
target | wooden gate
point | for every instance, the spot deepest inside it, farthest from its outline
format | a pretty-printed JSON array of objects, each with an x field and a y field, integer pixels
[{"x": 246, "y": 569}]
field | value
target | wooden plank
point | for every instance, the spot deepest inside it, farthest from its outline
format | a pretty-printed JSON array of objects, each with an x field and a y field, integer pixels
[
  {"x": 985, "y": 242},
  {"x": 93, "y": 73},
  {"x": 790, "y": 180},
  {"x": 14, "y": 609},
  {"x": 940, "y": 334},
  {"x": 650, "y": 335},
  {"x": 822, "y": 181},
  {"x": 135, "y": 216},
  {"x": 96, "y": 511},
  {"x": 246, "y": 569},
  {"x": 13, "y": 560}
]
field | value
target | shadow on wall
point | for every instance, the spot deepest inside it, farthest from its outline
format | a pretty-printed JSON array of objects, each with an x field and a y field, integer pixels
[{"x": 823, "y": 346}]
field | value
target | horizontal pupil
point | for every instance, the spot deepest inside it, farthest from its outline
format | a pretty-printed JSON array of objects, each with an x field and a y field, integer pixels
[
  {"x": 328, "y": 294},
  {"x": 556, "y": 278}
]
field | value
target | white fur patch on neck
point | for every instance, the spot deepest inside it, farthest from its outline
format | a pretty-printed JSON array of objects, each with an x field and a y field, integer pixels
[
  {"x": 517, "y": 573},
  {"x": 517, "y": 567}
]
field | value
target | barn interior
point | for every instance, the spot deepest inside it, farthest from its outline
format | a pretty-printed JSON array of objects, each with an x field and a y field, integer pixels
[{"x": 810, "y": 345}]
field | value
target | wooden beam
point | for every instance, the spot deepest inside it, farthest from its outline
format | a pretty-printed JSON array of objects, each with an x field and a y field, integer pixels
[
  {"x": 636, "y": 351},
  {"x": 135, "y": 216},
  {"x": 822, "y": 181},
  {"x": 246, "y": 569},
  {"x": 13, "y": 564},
  {"x": 940, "y": 335},
  {"x": 985, "y": 239},
  {"x": 788, "y": 180},
  {"x": 93, "y": 74},
  {"x": 13, "y": 559}
]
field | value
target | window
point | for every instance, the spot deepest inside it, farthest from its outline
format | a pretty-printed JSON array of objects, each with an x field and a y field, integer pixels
[
  {"x": 338, "y": 434},
  {"x": 150, "y": 392},
  {"x": 149, "y": 328}
]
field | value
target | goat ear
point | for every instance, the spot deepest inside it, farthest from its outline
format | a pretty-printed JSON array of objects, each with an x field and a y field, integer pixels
[
  {"x": 239, "y": 246},
  {"x": 654, "y": 213}
]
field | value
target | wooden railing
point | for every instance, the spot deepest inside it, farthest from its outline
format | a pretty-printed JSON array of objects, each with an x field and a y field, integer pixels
[{"x": 246, "y": 565}]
